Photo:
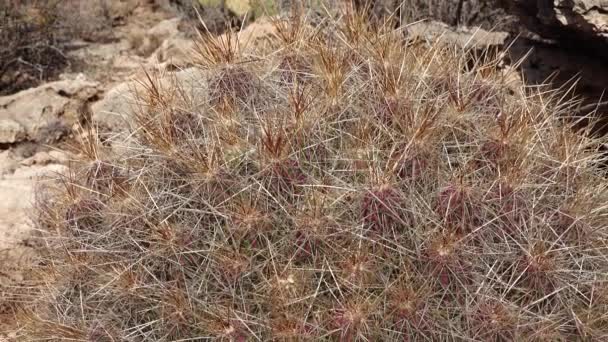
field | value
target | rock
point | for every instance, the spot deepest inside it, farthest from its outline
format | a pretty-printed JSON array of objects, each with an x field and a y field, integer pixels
[
  {"x": 117, "y": 10},
  {"x": 11, "y": 131},
  {"x": 462, "y": 36},
  {"x": 165, "y": 29},
  {"x": 575, "y": 22},
  {"x": 587, "y": 16},
  {"x": 7, "y": 163},
  {"x": 146, "y": 43},
  {"x": 176, "y": 51},
  {"x": 45, "y": 113},
  {"x": 175, "y": 47},
  {"x": 565, "y": 42},
  {"x": 46, "y": 158},
  {"x": 128, "y": 63},
  {"x": 116, "y": 107}
]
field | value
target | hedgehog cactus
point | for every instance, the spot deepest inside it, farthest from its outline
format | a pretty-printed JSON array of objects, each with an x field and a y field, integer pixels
[{"x": 340, "y": 182}]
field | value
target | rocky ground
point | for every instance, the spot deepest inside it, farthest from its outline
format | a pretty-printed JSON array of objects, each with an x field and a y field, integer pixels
[{"x": 37, "y": 125}]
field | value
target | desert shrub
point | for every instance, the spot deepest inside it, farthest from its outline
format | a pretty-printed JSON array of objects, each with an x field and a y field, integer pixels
[
  {"x": 94, "y": 20},
  {"x": 36, "y": 37},
  {"x": 342, "y": 183},
  {"x": 31, "y": 36}
]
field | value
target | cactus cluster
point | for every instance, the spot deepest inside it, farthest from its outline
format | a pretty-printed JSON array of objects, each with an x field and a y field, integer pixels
[{"x": 339, "y": 182}]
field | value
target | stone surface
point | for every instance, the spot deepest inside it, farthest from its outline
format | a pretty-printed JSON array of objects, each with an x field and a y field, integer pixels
[
  {"x": 175, "y": 51},
  {"x": 588, "y": 16},
  {"x": 165, "y": 29},
  {"x": 462, "y": 36},
  {"x": 150, "y": 41},
  {"x": 18, "y": 182},
  {"x": 565, "y": 43},
  {"x": 8, "y": 164},
  {"x": 572, "y": 21},
  {"x": 117, "y": 105},
  {"x": 11, "y": 131},
  {"x": 45, "y": 113},
  {"x": 174, "y": 46},
  {"x": 119, "y": 9}
]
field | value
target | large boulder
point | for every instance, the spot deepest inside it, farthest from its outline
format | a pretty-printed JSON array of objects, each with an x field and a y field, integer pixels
[
  {"x": 579, "y": 24},
  {"x": 589, "y": 17},
  {"x": 45, "y": 113},
  {"x": 472, "y": 37},
  {"x": 565, "y": 43},
  {"x": 146, "y": 42},
  {"x": 174, "y": 46},
  {"x": 11, "y": 131}
]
